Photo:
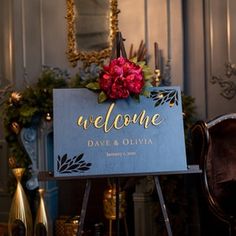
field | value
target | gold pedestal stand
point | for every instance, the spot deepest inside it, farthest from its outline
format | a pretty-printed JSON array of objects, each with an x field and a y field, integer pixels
[{"x": 110, "y": 205}]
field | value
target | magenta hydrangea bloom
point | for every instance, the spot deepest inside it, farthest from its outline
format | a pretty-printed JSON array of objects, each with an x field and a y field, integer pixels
[{"x": 121, "y": 78}]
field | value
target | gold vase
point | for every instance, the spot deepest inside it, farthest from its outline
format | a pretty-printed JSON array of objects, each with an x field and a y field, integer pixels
[
  {"x": 42, "y": 224},
  {"x": 20, "y": 218}
]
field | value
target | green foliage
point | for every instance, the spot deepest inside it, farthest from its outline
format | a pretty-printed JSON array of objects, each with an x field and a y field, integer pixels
[
  {"x": 148, "y": 76},
  {"x": 189, "y": 116},
  {"x": 33, "y": 103},
  {"x": 189, "y": 111},
  {"x": 93, "y": 86},
  {"x": 102, "y": 97}
]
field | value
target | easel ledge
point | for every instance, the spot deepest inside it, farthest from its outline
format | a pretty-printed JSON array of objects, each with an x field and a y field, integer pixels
[{"x": 49, "y": 175}]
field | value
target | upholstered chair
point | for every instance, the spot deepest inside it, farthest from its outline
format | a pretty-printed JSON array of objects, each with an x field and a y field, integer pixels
[{"x": 214, "y": 146}]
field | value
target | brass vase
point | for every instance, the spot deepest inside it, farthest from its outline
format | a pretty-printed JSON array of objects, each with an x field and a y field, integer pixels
[
  {"x": 20, "y": 218},
  {"x": 42, "y": 223}
]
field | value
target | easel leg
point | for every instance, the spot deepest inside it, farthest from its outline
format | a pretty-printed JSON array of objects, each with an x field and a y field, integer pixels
[
  {"x": 126, "y": 227},
  {"x": 110, "y": 227},
  {"x": 163, "y": 206},
  {"x": 84, "y": 207},
  {"x": 117, "y": 206}
]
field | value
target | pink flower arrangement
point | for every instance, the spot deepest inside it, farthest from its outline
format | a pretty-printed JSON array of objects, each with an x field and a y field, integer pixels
[{"x": 121, "y": 78}]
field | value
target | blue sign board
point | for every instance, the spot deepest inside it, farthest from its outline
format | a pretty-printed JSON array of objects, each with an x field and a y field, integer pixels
[{"x": 118, "y": 138}]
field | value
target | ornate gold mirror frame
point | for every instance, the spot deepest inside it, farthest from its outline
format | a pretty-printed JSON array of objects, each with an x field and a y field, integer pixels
[{"x": 73, "y": 51}]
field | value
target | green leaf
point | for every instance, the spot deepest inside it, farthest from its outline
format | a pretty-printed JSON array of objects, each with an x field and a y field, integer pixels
[
  {"x": 27, "y": 111},
  {"x": 102, "y": 97},
  {"x": 148, "y": 84},
  {"x": 148, "y": 76},
  {"x": 93, "y": 86},
  {"x": 148, "y": 73},
  {"x": 134, "y": 59},
  {"x": 141, "y": 63},
  {"x": 146, "y": 93}
]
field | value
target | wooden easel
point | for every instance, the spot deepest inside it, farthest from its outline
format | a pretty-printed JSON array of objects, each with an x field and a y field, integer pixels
[{"x": 192, "y": 169}]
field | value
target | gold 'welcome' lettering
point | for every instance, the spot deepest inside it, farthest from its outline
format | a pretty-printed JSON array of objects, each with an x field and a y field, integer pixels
[{"x": 119, "y": 121}]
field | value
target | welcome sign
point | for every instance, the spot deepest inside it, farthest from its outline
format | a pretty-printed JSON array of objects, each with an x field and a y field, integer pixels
[{"x": 122, "y": 137}]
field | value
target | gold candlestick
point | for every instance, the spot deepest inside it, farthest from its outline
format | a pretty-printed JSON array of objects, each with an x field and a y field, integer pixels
[{"x": 157, "y": 77}]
